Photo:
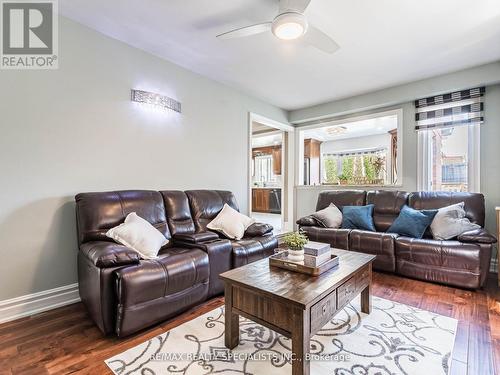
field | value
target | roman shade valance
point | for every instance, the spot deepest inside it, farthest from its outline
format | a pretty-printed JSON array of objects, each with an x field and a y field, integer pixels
[
  {"x": 464, "y": 107},
  {"x": 366, "y": 151}
]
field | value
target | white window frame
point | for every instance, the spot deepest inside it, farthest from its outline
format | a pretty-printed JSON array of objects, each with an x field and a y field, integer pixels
[{"x": 424, "y": 166}]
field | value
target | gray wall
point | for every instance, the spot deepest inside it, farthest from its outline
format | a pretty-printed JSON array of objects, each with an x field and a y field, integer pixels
[
  {"x": 75, "y": 129},
  {"x": 306, "y": 197}
]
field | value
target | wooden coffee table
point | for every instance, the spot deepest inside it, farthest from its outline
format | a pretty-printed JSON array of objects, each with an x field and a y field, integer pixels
[{"x": 293, "y": 304}]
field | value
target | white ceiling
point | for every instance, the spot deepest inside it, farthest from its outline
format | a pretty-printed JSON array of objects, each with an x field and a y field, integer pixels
[
  {"x": 383, "y": 42},
  {"x": 363, "y": 128},
  {"x": 267, "y": 140}
]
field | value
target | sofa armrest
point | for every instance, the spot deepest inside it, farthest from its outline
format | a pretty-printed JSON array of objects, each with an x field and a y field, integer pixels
[
  {"x": 477, "y": 235},
  {"x": 307, "y": 221},
  {"x": 195, "y": 238},
  {"x": 104, "y": 254},
  {"x": 258, "y": 229}
]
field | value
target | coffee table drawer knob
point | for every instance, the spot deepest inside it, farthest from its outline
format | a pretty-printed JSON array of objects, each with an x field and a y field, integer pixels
[{"x": 325, "y": 308}]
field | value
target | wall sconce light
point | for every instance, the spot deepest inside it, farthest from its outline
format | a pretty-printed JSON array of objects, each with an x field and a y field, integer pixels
[{"x": 155, "y": 100}]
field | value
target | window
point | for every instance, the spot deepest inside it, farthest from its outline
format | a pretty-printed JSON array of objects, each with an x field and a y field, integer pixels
[
  {"x": 264, "y": 169},
  {"x": 364, "y": 167},
  {"x": 448, "y": 128},
  {"x": 358, "y": 151}
]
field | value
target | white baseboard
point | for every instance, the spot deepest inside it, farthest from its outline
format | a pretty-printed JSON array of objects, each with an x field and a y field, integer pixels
[{"x": 30, "y": 304}]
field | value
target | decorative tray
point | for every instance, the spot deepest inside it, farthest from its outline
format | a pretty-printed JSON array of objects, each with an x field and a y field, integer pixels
[{"x": 306, "y": 266}]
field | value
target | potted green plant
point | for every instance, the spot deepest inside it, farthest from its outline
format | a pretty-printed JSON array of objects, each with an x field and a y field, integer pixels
[
  {"x": 295, "y": 242},
  {"x": 343, "y": 179}
]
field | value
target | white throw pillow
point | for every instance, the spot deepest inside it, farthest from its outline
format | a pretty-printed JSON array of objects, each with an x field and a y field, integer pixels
[
  {"x": 450, "y": 222},
  {"x": 330, "y": 217},
  {"x": 231, "y": 223},
  {"x": 139, "y": 235}
]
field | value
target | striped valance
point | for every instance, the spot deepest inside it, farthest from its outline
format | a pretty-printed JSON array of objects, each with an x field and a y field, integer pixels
[{"x": 443, "y": 111}]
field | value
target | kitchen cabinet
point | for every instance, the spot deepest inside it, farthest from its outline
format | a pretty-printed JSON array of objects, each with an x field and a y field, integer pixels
[
  {"x": 266, "y": 200},
  {"x": 260, "y": 200},
  {"x": 276, "y": 153}
]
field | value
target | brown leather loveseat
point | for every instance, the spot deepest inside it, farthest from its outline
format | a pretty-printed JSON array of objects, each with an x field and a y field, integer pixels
[
  {"x": 463, "y": 261},
  {"x": 124, "y": 293}
]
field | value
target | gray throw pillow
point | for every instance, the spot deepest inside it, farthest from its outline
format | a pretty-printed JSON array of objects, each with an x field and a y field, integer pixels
[
  {"x": 450, "y": 222},
  {"x": 330, "y": 217}
]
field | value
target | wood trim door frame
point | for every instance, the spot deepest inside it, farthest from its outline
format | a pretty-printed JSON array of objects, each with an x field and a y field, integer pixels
[{"x": 287, "y": 166}]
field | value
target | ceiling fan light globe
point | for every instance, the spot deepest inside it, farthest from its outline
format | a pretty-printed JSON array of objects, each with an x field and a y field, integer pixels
[{"x": 289, "y": 26}]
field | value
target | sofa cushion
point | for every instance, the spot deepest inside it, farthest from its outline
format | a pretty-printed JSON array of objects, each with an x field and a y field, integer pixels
[
  {"x": 178, "y": 212},
  {"x": 431, "y": 200},
  {"x": 230, "y": 223},
  {"x": 450, "y": 221},
  {"x": 411, "y": 222},
  {"x": 387, "y": 206},
  {"x": 358, "y": 217},
  {"x": 329, "y": 217},
  {"x": 98, "y": 212},
  {"x": 448, "y": 262},
  {"x": 138, "y": 235},
  {"x": 154, "y": 290},
  {"x": 269, "y": 244},
  {"x": 205, "y": 205},
  {"x": 341, "y": 198},
  {"x": 337, "y": 238},
  {"x": 375, "y": 243},
  {"x": 247, "y": 251}
]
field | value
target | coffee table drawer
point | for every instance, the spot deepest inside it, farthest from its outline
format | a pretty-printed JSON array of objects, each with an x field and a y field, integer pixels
[
  {"x": 346, "y": 292},
  {"x": 362, "y": 279},
  {"x": 323, "y": 311}
]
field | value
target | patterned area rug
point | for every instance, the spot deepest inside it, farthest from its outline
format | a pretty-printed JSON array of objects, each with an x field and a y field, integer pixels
[{"x": 393, "y": 339}]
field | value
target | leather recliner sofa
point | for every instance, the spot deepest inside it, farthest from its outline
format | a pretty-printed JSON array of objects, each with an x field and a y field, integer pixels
[
  {"x": 123, "y": 293},
  {"x": 463, "y": 261}
]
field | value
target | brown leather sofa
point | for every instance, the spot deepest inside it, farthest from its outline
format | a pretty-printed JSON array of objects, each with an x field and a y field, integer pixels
[
  {"x": 124, "y": 293},
  {"x": 463, "y": 261}
]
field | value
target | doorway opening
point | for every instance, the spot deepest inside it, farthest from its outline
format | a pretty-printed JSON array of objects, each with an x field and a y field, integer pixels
[{"x": 269, "y": 184}]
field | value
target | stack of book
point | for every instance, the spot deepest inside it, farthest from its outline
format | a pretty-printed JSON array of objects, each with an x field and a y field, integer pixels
[{"x": 316, "y": 253}]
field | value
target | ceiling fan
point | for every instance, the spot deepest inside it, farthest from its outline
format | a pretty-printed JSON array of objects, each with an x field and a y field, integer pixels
[{"x": 289, "y": 24}]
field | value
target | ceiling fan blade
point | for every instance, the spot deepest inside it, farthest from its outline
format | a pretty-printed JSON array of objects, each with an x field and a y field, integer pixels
[
  {"x": 246, "y": 31},
  {"x": 293, "y": 5},
  {"x": 317, "y": 38}
]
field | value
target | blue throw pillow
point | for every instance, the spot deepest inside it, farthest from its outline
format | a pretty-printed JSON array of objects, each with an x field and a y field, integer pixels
[
  {"x": 411, "y": 222},
  {"x": 358, "y": 217}
]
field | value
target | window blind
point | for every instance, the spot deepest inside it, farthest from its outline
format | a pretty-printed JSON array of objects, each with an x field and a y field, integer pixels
[
  {"x": 357, "y": 152},
  {"x": 464, "y": 107}
]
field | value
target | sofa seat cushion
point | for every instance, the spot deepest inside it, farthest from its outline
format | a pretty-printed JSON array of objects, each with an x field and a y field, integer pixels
[
  {"x": 375, "y": 243},
  {"x": 157, "y": 289},
  {"x": 175, "y": 270},
  {"x": 269, "y": 243},
  {"x": 247, "y": 251},
  {"x": 337, "y": 238},
  {"x": 448, "y": 262}
]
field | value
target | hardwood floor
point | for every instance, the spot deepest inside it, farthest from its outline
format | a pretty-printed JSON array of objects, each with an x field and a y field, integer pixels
[{"x": 65, "y": 340}]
